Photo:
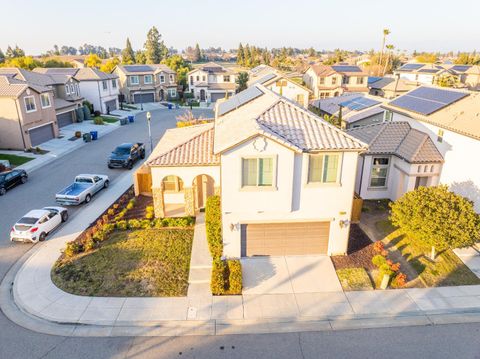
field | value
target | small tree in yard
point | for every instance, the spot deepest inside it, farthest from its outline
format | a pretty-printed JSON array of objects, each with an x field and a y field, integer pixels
[
  {"x": 437, "y": 217},
  {"x": 242, "y": 80}
]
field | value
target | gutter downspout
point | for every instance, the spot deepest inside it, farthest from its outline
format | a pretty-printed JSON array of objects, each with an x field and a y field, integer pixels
[
  {"x": 20, "y": 125},
  {"x": 361, "y": 178},
  {"x": 99, "y": 97}
]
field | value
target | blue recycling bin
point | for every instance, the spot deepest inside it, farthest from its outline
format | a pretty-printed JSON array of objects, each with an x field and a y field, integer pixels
[
  {"x": 170, "y": 106},
  {"x": 94, "y": 135},
  {"x": 131, "y": 118}
]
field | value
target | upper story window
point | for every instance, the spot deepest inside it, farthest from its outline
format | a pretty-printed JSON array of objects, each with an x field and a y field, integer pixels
[
  {"x": 360, "y": 80},
  {"x": 30, "y": 104},
  {"x": 198, "y": 78},
  {"x": 134, "y": 80},
  {"x": 324, "y": 168},
  {"x": 72, "y": 89},
  {"x": 191, "y": 80},
  {"x": 172, "y": 78},
  {"x": 226, "y": 78},
  {"x": 105, "y": 85},
  {"x": 67, "y": 89},
  {"x": 346, "y": 80},
  {"x": 387, "y": 115},
  {"x": 334, "y": 80},
  {"x": 440, "y": 135},
  {"x": 257, "y": 172},
  {"x": 203, "y": 78},
  {"x": 379, "y": 173},
  {"x": 162, "y": 79},
  {"x": 114, "y": 83},
  {"x": 45, "y": 100},
  {"x": 321, "y": 80},
  {"x": 148, "y": 79}
]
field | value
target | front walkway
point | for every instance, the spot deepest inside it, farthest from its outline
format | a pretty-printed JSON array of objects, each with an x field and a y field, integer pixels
[{"x": 34, "y": 302}]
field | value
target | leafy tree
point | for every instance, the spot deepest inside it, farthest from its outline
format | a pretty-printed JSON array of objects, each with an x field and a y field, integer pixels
[
  {"x": 437, "y": 217},
  {"x": 9, "y": 53},
  {"x": 18, "y": 52},
  {"x": 240, "y": 55},
  {"x": 2, "y": 57},
  {"x": 110, "y": 64},
  {"x": 56, "y": 63},
  {"x": 92, "y": 60},
  {"x": 24, "y": 62},
  {"x": 140, "y": 57},
  {"x": 155, "y": 49},
  {"x": 178, "y": 64},
  {"x": 128, "y": 55},
  {"x": 312, "y": 52},
  {"x": 465, "y": 58},
  {"x": 56, "y": 51},
  {"x": 242, "y": 79},
  {"x": 427, "y": 58},
  {"x": 247, "y": 55}
]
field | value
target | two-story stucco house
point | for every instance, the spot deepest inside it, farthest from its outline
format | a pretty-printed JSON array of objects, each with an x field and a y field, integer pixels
[
  {"x": 285, "y": 176},
  {"x": 97, "y": 87},
  {"x": 27, "y": 114},
  {"x": 330, "y": 81},
  {"x": 279, "y": 83},
  {"x": 66, "y": 91},
  {"x": 147, "y": 83},
  {"x": 452, "y": 120},
  {"x": 211, "y": 82}
]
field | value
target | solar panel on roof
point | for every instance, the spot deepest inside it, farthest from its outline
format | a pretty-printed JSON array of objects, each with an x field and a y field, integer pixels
[
  {"x": 359, "y": 103},
  {"x": 426, "y": 100},
  {"x": 138, "y": 68},
  {"x": 265, "y": 78},
  {"x": 460, "y": 68},
  {"x": 410, "y": 67},
  {"x": 430, "y": 71},
  {"x": 345, "y": 68},
  {"x": 239, "y": 99}
]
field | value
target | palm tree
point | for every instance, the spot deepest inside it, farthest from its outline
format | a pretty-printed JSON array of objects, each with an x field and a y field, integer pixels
[
  {"x": 389, "y": 56},
  {"x": 386, "y": 32}
]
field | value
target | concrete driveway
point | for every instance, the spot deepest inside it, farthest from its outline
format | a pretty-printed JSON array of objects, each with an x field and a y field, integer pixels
[{"x": 289, "y": 274}]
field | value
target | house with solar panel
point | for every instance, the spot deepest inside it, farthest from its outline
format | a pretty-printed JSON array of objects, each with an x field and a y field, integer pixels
[
  {"x": 451, "y": 118},
  {"x": 335, "y": 80},
  {"x": 285, "y": 176},
  {"x": 389, "y": 87},
  {"x": 211, "y": 82},
  {"x": 350, "y": 110},
  {"x": 279, "y": 83},
  {"x": 146, "y": 83}
]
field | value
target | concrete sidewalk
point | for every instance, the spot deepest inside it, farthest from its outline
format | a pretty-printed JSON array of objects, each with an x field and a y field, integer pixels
[
  {"x": 33, "y": 301},
  {"x": 62, "y": 145}
]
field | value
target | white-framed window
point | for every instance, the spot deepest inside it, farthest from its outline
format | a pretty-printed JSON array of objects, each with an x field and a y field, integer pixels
[
  {"x": 148, "y": 79},
  {"x": 379, "y": 172},
  {"x": 334, "y": 80},
  {"x": 258, "y": 172},
  {"x": 203, "y": 78},
  {"x": 321, "y": 80},
  {"x": 387, "y": 116},
  {"x": 134, "y": 80},
  {"x": 162, "y": 79},
  {"x": 324, "y": 168},
  {"x": 104, "y": 85},
  {"x": 45, "y": 100},
  {"x": 198, "y": 78},
  {"x": 226, "y": 78},
  {"x": 440, "y": 135},
  {"x": 114, "y": 83},
  {"x": 191, "y": 80},
  {"x": 360, "y": 81},
  {"x": 30, "y": 104},
  {"x": 67, "y": 89},
  {"x": 172, "y": 78},
  {"x": 346, "y": 80},
  {"x": 172, "y": 92},
  {"x": 72, "y": 89}
]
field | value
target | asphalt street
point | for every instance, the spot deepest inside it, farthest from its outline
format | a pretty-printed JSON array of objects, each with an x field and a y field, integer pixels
[{"x": 459, "y": 341}]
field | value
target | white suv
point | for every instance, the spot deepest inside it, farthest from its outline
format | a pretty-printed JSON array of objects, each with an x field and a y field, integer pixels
[{"x": 37, "y": 224}]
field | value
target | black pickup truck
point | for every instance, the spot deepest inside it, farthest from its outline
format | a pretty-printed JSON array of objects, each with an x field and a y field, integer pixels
[{"x": 126, "y": 155}]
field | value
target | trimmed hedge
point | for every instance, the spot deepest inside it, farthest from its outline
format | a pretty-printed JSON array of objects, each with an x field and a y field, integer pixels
[
  {"x": 213, "y": 225},
  {"x": 226, "y": 277}
]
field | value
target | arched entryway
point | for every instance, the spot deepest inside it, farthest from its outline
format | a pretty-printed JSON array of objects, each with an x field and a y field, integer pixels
[
  {"x": 203, "y": 187},
  {"x": 202, "y": 95},
  {"x": 173, "y": 196},
  {"x": 161, "y": 94}
]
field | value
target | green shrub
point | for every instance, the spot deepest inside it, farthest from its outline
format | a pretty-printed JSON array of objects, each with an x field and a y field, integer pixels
[
  {"x": 72, "y": 248},
  {"x": 108, "y": 228},
  {"x": 121, "y": 225},
  {"x": 226, "y": 277},
  {"x": 234, "y": 277},
  {"x": 134, "y": 224},
  {"x": 97, "y": 120},
  {"x": 146, "y": 223},
  {"x": 130, "y": 204},
  {"x": 213, "y": 225},
  {"x": 149, "y": 212},
  {"x": 437, "y": 217},
  {"x": 88, "y": 244},
  {"x": 182, "y": 222},
  {"x": 217, "y": 283},
  {"x": 379, "y": 260}
]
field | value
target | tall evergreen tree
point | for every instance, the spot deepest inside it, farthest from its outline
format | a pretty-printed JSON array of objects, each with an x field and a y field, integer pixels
[
  {"x": 240, "y": 55},
  {"x": 18, "y": 52},
  {"x": 128, "y": 55},
  {"x": 140, "y": 57},
  {"x": 197, "y": 53},
  {"x": 247, "y": 55},
  {"x": 155, "y": 49},
  {"x": 9, "y": 54}
]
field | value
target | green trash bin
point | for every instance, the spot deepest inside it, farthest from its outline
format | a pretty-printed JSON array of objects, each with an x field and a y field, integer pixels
[{"x": 87, "y": 137}]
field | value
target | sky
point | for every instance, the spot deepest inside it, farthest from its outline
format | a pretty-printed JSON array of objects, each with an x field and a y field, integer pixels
[{"x": 422, "y": 25}]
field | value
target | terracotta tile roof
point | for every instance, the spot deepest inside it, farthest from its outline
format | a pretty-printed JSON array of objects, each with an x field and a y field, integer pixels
[
  {"x": 399, "y": 139},
  {"x": 195, "y": 151}
]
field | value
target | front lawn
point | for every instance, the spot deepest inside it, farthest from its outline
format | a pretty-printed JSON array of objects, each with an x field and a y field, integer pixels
[
  {"x": 354, "y": 279},
  {"x": 446, "y": 270},
  {"x": 141, "y": 263},
  {"x": 14, "y": 159}
]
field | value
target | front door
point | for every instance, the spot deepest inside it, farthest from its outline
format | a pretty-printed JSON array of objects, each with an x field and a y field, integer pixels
[
  {"x": 162, "y": 95},
  {"x": 202, "y": 95}
]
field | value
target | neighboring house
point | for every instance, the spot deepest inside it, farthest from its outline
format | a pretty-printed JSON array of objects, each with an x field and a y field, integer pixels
[
  {"x": 389, "y": 87},
  {"x": 350, "y": 110},
  {"x": 452, "y": 120},
  {"x": 66, "y": 91},
  {"x": 99, "y": 88},
  {"x": 211, "y": 82},
  {"x": 286, "y": 177},
  {"x": 147, "y": 83},
  {"x": 472, "y": 78},
  {"x": 399, "y": 159},
  {"x": 279, "y": 83},
  {"x": 330, "y": 81},
  {"x": 27, "y": 114}
]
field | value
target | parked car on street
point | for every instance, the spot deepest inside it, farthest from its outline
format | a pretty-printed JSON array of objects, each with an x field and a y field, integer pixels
[
  {"x": 82, "y": 189},
  {"x": 37, "y": 224},
  {"x": 10, "y": 179},
  {"x": 126, "y": 155}
]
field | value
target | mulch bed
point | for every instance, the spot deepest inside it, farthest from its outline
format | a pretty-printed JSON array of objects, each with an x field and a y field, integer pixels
[
  {"x": 360, "y": 251},
  {"x": 138, "y": 211}
]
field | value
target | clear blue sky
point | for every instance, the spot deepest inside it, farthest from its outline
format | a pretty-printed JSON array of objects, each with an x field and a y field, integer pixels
[{"x": 324, "y": 24}]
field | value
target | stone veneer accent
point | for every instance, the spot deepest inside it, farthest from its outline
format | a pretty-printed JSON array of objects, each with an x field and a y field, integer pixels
[
  {"x": 189, "y": 201},
  {"x": 217, "y": 191},
  {"x": 158, "y": 202}
]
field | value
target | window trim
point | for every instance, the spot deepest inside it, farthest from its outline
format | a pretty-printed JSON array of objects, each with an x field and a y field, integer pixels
[
  {"x": 161, "y": 78},
  {"x": 379, "y": 166},
  {"x": 105, "y": 85},
  {"x": 171, "y": 77},
  {"x": 67, "y": 89},
  {"x": 114, "y": 83},
  {"x": 338, "y": 180},
  {"x": 145, "y": 79},
  {"x": 42, "y": 96},
  {"x": 134, "y": 83},
  {"x": 272, "y": 187},
  {"x": 34, "y": 104}
]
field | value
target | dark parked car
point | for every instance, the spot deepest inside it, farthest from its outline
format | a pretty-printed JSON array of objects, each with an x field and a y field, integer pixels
[
  {"x": 10, "y": 179},
  {"x": 126, "y": 155}
]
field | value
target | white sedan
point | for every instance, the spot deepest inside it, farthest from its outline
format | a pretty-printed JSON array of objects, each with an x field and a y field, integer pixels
[{"x": 37, "y": 224}]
